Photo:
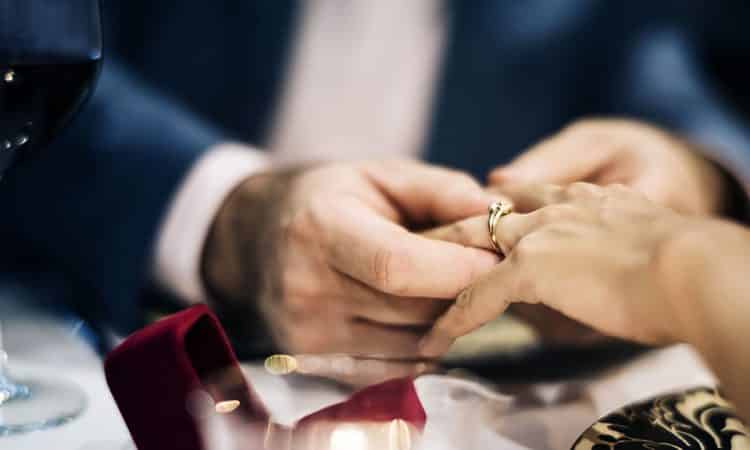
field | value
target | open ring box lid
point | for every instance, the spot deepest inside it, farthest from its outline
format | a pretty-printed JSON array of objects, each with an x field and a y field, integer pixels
[{"x": 154, "y": 373}]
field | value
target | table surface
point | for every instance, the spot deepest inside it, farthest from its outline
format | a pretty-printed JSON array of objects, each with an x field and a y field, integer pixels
[{"x": 462, "y": 413}]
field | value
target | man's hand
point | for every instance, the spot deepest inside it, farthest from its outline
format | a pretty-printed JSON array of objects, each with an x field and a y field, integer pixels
[
  {"x": 659, "y": 165},
  {"x": 326, "y": 257}
]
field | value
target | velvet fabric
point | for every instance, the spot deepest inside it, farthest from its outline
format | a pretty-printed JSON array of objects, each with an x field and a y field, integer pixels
[
  {"x": 155, "y": 372},
  {"x": 390, "y": 400}
]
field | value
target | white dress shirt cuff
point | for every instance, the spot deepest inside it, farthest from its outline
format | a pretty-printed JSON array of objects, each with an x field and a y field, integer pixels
[{"x": 185, "y": 227}]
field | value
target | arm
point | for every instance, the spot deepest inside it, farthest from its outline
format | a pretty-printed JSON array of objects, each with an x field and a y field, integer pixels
[
  {"x": 709, "y": 292},
  {"x": 353, "y": 278}
]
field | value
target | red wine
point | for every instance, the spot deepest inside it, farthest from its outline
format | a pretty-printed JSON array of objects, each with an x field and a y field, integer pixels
[{"x": 37, "y": 100}]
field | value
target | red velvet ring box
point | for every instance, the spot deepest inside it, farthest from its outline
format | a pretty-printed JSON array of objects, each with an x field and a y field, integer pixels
[{"x": 155, "y": 372}]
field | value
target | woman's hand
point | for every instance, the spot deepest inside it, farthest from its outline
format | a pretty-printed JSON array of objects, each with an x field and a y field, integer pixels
[
  {"x": 595, "y": 254},
  {"x": 611, "y": 259}
]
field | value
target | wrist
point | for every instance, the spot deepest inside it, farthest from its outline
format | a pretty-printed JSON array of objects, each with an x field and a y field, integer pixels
[
  {"x": 239, "y": 258},
  {"x": 695, "y": 265},
  {"x": 681, "y": 261},
  {"x": 222, "y": 259},
  {"x": 185, "y": 226}
]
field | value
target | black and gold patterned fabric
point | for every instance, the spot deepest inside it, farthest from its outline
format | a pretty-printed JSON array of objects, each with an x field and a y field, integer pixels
[{"x": 697, "y": 419}]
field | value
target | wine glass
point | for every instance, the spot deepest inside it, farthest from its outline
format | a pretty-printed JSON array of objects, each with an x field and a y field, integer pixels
[{"x": 50, "y": 53}]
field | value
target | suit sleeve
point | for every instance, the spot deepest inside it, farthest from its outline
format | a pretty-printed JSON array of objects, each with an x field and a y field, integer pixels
[{"x": 91, "y": 203}]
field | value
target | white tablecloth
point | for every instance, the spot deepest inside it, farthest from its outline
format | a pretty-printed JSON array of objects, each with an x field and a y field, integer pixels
[
  {"x": 477, "y": 415},
  {"x": 462, "y": 414},
  {"x": 45, "y": 346}
]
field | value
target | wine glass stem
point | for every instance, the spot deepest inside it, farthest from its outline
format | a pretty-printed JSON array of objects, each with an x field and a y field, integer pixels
[
  {"x": 3, "y": 356},
  {"x": 8, "y": 389}
]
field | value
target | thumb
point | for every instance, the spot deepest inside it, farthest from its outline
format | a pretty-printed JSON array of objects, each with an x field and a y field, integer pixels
[{"x": 561, "y": 159}]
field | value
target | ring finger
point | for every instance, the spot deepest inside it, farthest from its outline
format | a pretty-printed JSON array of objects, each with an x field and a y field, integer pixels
[{"x": 474, "y": 232}]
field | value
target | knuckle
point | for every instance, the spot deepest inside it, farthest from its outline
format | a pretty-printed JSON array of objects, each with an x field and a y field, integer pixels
[
  {"x": 609, "y": 201},
  {"x": 548, "y": 214},
  {"x": 610, "y": 207},
  {"x": 555, "y": 189},
  {"x": 300, "y": 298},
  {"x": 618, "y": 190},
  {"x": 569, "y": 211},
  {"x": 556, "y": 213},
  {"x": 460, "y": 314},
  {"x": 465, "y": 299},
  {"x": 560, "y": 230},
  {"x": 460, "y": 233},
  {"x": 618, "y": 187},
  {"x": 381, "y": 268},
  {"x": 296, "y": 228},
  {"x": 318, "y": 209},
  {"x": 303, "y": 223},
  {"x": 386, "y": 269},
  {"x": 554, "y": 193},
  {"x": 296, "y": 304},
  {"x": 527, "y": 247}
]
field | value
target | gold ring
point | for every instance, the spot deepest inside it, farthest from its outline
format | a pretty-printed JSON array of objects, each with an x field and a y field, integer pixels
[{"x": 497, "y": 210}]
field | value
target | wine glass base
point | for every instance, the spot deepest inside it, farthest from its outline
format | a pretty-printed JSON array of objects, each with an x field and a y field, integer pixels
[{"x": 49, "y": 404}]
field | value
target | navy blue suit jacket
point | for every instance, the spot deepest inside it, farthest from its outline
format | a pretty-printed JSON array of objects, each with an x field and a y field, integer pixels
[{"x": 180, "y": 75}]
